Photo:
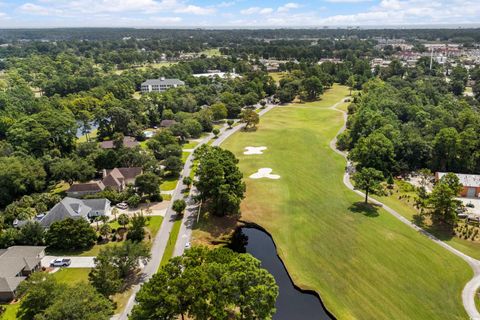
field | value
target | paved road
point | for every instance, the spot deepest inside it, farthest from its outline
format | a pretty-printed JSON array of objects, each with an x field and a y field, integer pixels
[
  {"x": 470, "y": 289},
  {"x": 161, "y": 239},
  {"x": 191, "y": 212}
]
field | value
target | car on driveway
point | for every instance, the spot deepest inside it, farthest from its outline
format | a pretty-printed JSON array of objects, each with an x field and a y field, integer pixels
[
  {"x": 187, "y": 245},
  {"x": 61, "y": 262},
  {"x": 122, "y": 205}
]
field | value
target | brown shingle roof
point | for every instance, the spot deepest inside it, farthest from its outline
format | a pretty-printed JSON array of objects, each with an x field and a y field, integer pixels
[
  {"x": 128, "y": 142},
  {"x": 92, "y": 186}
]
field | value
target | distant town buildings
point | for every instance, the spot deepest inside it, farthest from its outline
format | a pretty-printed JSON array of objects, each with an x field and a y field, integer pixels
[
  {"x": 160, "y": 85},
  {"x": 217, "y": 73}
]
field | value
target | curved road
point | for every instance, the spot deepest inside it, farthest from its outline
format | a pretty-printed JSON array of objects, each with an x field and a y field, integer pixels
[{"x": 470, "y": 289}]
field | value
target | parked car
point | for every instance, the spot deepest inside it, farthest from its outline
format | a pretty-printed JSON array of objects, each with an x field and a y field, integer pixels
[
  {"x": 187, "y": 245},
  {"x": 61, "y": 262},
  {"x": 122, "y": 205}
]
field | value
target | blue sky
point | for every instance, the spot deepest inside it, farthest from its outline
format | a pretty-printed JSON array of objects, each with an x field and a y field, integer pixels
[{"x": 235, "y": 13}]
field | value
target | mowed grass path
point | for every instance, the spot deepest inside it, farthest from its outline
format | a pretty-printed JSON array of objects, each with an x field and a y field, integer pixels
[{"x": 364, "y": 266}]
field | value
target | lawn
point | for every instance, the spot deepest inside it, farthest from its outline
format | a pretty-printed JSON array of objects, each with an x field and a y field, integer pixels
[
  {"x": 277, "y": 76},
  {"x": 211, "y": 52},
  {"x": 190, "y": 145},
  {"x": 72, "y": 275},
  {"x": 185, "y": 156},
  {"x": 10, "y": 311},
  {"x": 364, "y": 263},
  {"x": 172, "y": 239},
  {"x": 169, "y": 184}
]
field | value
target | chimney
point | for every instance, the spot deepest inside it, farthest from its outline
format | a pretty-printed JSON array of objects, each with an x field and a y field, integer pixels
[
  {"x": 162, "y": 78},
  {"x": 104, "y": 173}
]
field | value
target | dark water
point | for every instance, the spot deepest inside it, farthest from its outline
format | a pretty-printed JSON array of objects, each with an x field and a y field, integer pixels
[{"x": 292, "y": 304}]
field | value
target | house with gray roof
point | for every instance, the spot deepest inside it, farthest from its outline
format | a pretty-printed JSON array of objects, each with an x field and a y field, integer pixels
[
  {"x": 16, "y": 263},
  {"x": 160, "y": 85},
  {"x": 76, "y": 209}
]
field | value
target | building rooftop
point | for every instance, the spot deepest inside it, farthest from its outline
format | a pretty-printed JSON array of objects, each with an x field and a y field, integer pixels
[
  {"x": 468, "y": 180},
  {"x": 128, "y": 142},
  {"x": 163, "y": 81}
]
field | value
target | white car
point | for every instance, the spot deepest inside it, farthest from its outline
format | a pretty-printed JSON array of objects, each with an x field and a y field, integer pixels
[
  {"x": 122, "y": 205},
  {"x": 187, "y": 245},
  {"x": 61, "y": 262}
]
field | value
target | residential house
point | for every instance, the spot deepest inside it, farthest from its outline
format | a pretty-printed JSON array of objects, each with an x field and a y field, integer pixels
[
  {"x": 75, "y": 209},
  {"x": 470, "y": 182},
  {"x": 16, "y": 263},
  {"x": 160, "y": 85},
  {"x": 128, "y": 142},
  {"x": 117, "y": 179},
  {"x": 82, "y": 189}
]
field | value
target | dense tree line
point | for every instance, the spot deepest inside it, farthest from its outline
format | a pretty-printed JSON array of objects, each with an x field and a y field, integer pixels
[{"x": 408, "y": 123}]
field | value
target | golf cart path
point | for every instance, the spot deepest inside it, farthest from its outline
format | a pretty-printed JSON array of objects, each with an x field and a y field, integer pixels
[
  {"x": 191, "y": 212},
  {"x": 470, "y": 289}
]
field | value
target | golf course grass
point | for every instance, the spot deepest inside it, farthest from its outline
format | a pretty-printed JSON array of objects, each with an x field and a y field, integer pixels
[{"x": 364, "y": 263}]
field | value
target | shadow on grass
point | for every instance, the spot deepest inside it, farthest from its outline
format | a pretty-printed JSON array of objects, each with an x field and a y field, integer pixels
[
  {"x": 218, "y": 229},
  {"x": 250, "y": 129},
  {"x": 367, "y": 209}
]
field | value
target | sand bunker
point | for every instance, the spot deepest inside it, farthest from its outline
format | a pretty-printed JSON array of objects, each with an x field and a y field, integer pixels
[
  {"x": 254, "y": 150},
  {"x": 265, "y": 173}
]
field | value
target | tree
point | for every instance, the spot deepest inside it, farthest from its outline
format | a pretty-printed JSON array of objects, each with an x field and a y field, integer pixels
[
  {"x": 72, "y": 170},
  {"x": 368, "y": 179},
  {"x": 174, "y": 165},
  {"x": 351, "y": 83},
  {"x": 219, "y": 111},
  {"x": 219, "y": 180},
  {"x": 374, "y": 151},
  {"x": 123, "y": 220},
  {"x": 71, "y": 234},
  {"x": 187, "y": 181},
  {"x": 134, "y": 200},
  {"x": 226, "y": 284},
  {"x": 216, "y": 132},
  {"x": 105, "y": 230},
  {"x": 39, "y": 292},
  {"x": 179, "y": 206},
  {"x": 126, "y": 257},
  {"x": 442, "y": 200},
  {"x": 19, "y": 176},
  {"x": 147, "y": 183},
  {"x": 136, "y": 233},
  {"x": 250, "y": 118},
  {"x": 79, "y": 301},
  {"x": 31, "y": 234},
  {"x": 105, "y": 277},
  {"x": 230, "y": 123},
  {"x": 313, "y": 87}
]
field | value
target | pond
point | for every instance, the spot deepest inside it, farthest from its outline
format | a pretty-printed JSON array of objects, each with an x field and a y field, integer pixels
[{"x": 292, "y": 303}]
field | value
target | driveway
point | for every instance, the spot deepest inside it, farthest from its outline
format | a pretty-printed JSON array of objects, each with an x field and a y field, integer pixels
[{"x": 77, "y": 262}]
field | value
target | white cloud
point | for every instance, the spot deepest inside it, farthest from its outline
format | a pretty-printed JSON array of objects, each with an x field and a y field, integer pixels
[
  {"x": 225, "y": 4},
  {"x": 288, "y": 6},
  {"x": 256, "y": 10},
  {"x": 38, "y": 10},
  {"x": 191, "y": 9}
]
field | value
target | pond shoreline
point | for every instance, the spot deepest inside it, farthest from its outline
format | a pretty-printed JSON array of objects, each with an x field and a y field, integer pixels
[{"x": 252, "y": 225}]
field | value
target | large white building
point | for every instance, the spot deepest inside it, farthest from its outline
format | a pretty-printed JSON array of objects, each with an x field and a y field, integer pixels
[{"x": 160, "y": 85}]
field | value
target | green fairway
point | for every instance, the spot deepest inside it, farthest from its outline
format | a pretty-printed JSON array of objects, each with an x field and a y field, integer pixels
[{"x": 365, "y": 264}]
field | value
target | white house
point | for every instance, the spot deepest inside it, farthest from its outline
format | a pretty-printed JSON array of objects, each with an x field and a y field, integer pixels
[{"x": 160, "y": 85}]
